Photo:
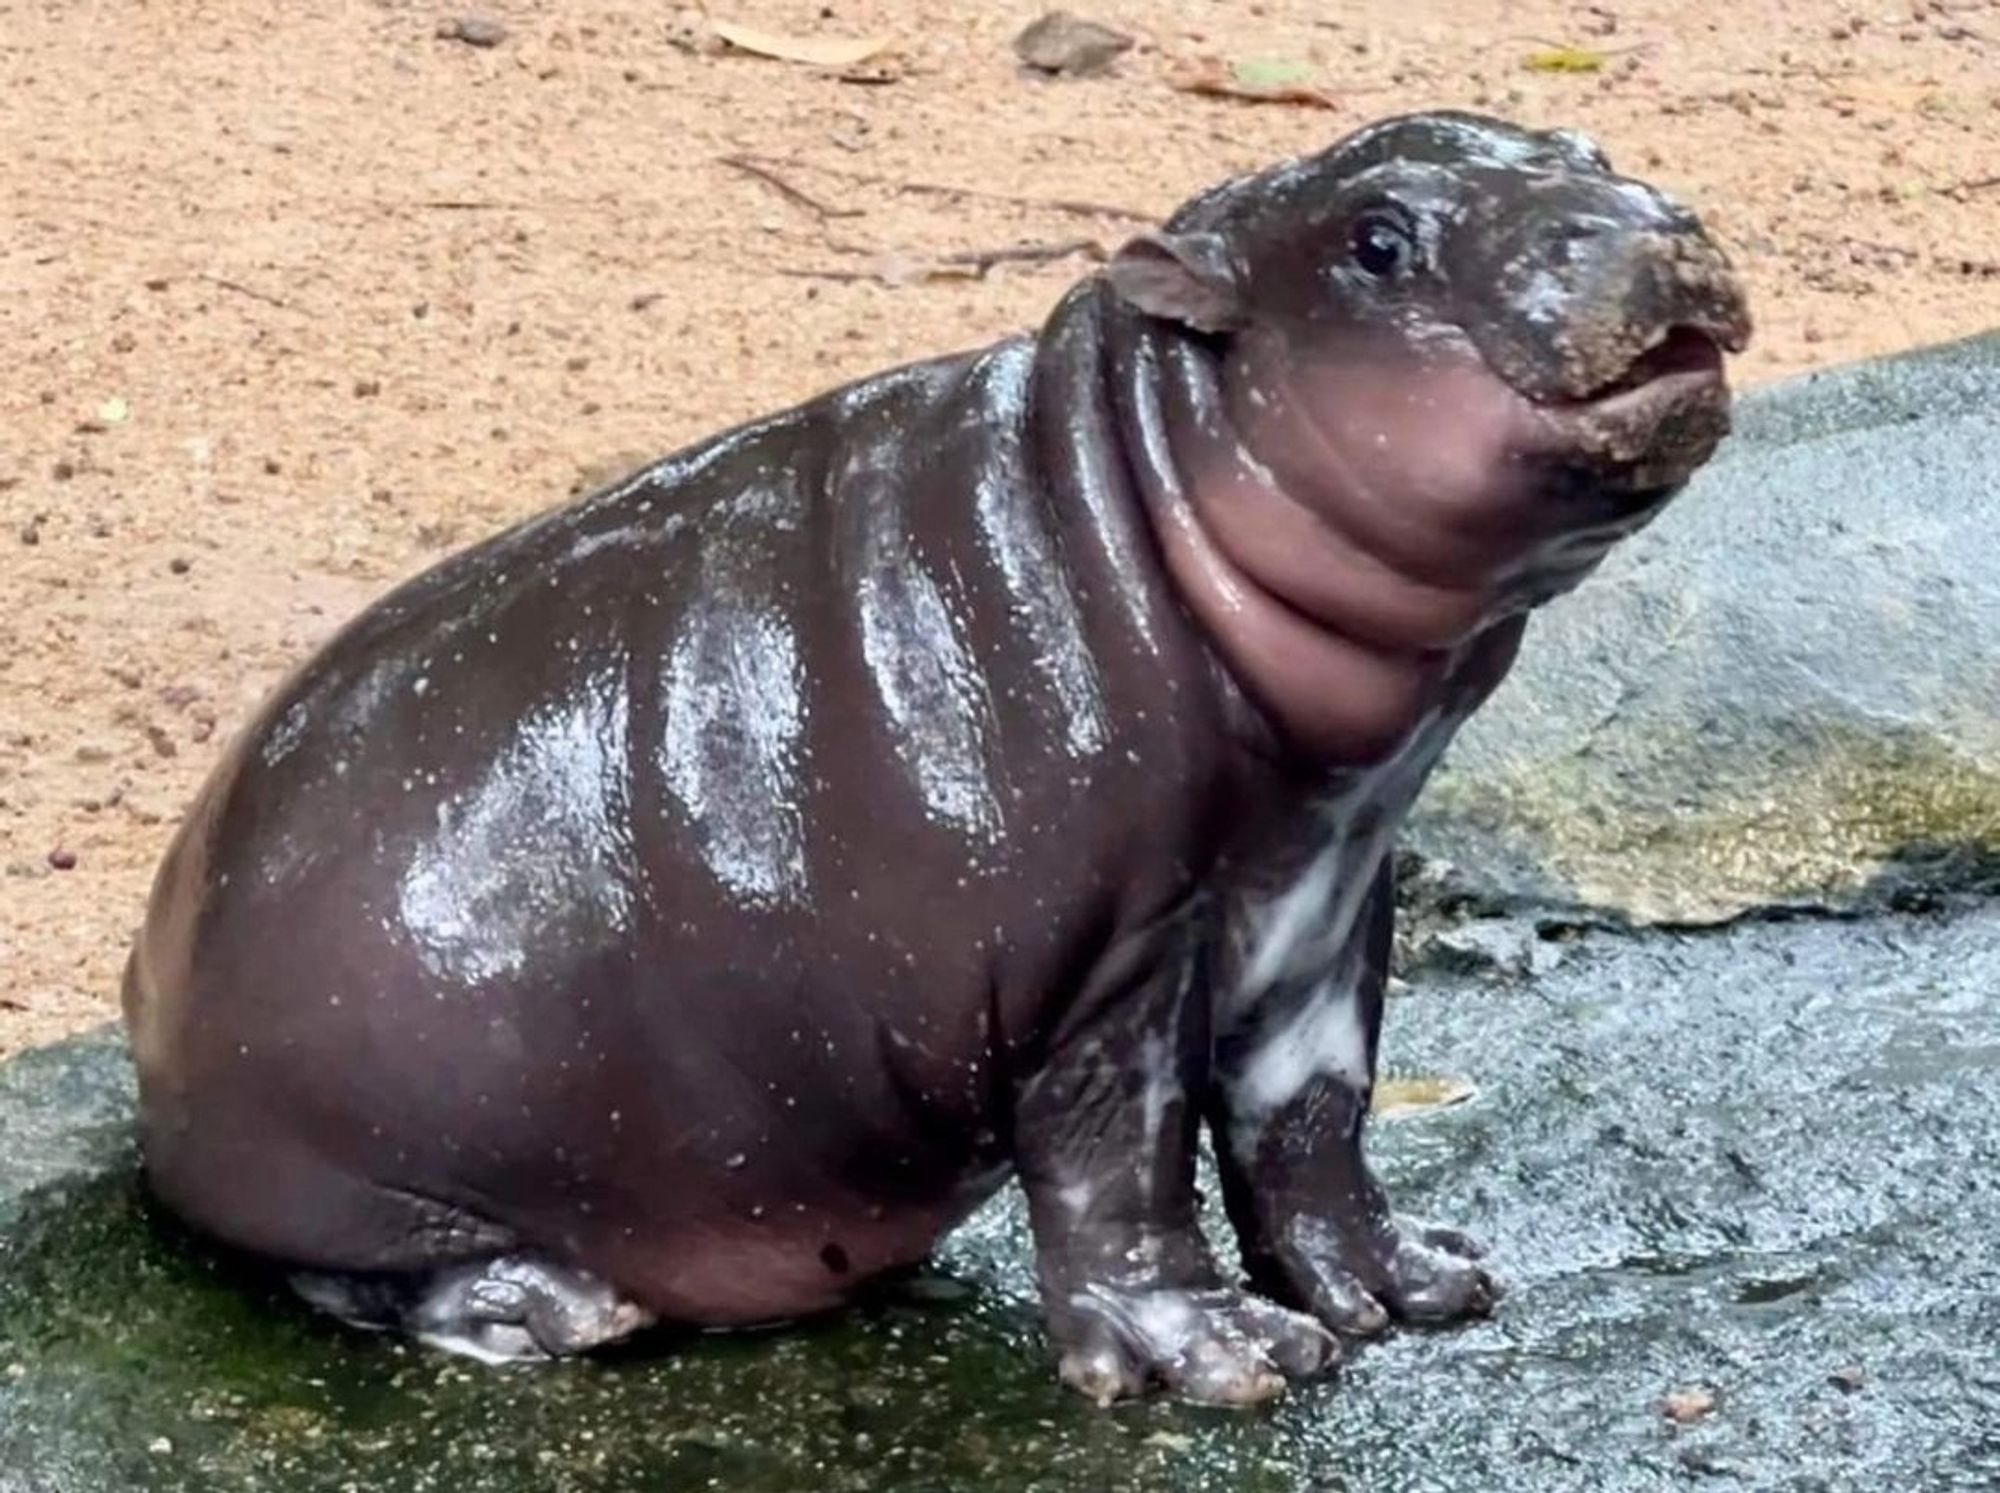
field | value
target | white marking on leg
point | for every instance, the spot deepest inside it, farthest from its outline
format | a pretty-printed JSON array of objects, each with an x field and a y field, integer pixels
[
  {"x": 1295, "y": 916},
  {"x": 1303, "y": 932},
  {"x": 1162, "y": 1088},
  {"x": 1324, "y": 1038}
]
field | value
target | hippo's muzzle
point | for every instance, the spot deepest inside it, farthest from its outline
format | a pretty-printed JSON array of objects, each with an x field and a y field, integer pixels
[{"x": 1611, "y": 311}]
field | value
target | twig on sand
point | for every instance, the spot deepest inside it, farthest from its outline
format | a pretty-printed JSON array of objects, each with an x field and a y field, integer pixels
[
  {"x": 982, "y": 260},
  {"x": 1073, "y": 206},
  {"x": 896, "y": 271},
  {"x": 245, "y": 290},
  {"x": 749, "y": 166}
]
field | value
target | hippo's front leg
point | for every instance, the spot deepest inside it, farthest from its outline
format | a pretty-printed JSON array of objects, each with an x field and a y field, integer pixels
[
  {"x": 1105, "y": 1137},
  {"x": 1291, "y": 1096}
]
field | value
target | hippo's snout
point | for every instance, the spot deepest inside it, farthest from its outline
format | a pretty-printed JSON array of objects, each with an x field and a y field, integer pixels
[
  {"x": 1598, "y": 296},
  {"x": 1646, "y": 294}
]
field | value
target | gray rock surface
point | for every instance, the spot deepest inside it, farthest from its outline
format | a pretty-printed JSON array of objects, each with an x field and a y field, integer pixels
[
  {"x": 1755, "y": 1163},
  {"x": 1785, "y": 693}
]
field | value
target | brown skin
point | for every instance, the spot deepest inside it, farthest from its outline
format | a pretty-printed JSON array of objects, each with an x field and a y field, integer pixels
[{"x": 689, "y": 904}]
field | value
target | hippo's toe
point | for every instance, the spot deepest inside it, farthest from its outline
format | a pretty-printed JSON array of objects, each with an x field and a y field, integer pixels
[
  {"x": 513, "y": 1309},
  {"x": 1413, "y": 1273},
  {"x": 1214, "y": 1345}
]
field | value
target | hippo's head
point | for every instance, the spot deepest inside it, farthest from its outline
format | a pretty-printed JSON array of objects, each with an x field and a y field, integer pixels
[{"x": 1473, "y": 351}]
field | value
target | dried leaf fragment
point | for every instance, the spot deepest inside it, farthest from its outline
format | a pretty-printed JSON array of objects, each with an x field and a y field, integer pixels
[
  {"x": 1686, "y": 1406},
  {"x": 1564, "y": 60},
  {"x": 1271, "y": 81},
  {"x": 834, "y": 52},
  {"x": 1398, "y": 1097}
]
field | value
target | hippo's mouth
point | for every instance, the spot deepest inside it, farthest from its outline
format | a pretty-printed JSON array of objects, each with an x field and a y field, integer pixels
[
  {"x": 1682, "y": 353},
  {"x": 1655, "y": 421}
]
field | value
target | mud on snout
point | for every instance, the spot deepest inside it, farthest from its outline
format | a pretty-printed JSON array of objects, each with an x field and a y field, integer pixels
[{"x": 1612, "y": 309}]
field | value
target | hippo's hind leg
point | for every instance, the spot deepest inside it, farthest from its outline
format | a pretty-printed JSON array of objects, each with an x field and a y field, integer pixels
[
  {"x": 512, "y": 1309},
  {"x": 1105, "y": 1136},
  {"x": 1292, "y": 1088}
]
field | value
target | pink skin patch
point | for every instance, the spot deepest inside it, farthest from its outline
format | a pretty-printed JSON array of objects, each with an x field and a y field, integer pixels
[{"x": 1353, "y": 521}]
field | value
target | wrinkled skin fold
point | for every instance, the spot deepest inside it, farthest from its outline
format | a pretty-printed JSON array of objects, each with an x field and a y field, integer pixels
[{"x": 688, "y": 904}]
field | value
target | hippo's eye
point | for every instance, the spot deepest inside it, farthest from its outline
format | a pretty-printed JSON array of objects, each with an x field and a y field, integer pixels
[{"x": 1384, "y": 245}]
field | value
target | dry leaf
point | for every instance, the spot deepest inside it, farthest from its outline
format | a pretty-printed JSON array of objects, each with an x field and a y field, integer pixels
[
  {"x": 1686, "y": 1406},
  {"x": 1267, "y": 73},
  {"x": 1397, "y": 1097},
  {"x": 1254, "y": 82},
  {"x": 813, "y": 51},
  {"x": 1564, "y": 60}
]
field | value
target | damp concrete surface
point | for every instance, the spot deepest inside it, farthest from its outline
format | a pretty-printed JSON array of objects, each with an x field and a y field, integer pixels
[{"x": 1740, "y": 1183}]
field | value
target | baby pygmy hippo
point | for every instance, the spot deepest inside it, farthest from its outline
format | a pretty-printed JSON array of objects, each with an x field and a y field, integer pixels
[{"x": 690, "y": 903}]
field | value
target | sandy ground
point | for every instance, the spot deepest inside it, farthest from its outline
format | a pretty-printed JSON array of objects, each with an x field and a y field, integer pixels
[{"x": 293, "y": 299}]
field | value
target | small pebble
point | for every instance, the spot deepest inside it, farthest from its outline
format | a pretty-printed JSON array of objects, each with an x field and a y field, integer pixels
[
  {"x": 474, "y": 31},
  {"x": 1067, "y": 44},
  {"x": 1850, "y": 1380},
  {"x": 62, "y": 860},
  {"x": 180, "y": 566},
  {"x": 160, "y": 1446},
  {"x": 367, "y": 388}
]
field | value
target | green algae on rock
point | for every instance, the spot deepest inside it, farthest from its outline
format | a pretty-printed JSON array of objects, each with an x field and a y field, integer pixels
[{"x": 1852, "y": 822}]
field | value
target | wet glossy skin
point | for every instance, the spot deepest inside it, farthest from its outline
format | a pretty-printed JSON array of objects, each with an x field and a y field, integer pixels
[{"x": 688, "y": 904}]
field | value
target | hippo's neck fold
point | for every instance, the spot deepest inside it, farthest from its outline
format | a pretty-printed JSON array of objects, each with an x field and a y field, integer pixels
[{"x": 1343, "y": 657}]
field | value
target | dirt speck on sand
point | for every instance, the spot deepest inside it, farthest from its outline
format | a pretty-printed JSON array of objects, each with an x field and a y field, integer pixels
[{"x": 354, "y": 295}]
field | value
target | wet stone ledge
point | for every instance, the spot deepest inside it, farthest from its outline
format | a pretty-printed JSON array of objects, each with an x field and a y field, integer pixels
[{"x": 1752, "y": 1168}]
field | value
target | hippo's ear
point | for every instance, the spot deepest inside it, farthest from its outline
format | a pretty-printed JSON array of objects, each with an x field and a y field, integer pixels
[{"x": 1184, "y": 277}]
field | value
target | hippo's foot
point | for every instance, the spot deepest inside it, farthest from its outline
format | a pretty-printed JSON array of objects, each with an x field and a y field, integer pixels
[
  {"x": 1212, "y": 1345},
  {"x": 1406, "y": 1272},
  {"x": 507, "y": 1310}
]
